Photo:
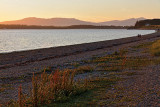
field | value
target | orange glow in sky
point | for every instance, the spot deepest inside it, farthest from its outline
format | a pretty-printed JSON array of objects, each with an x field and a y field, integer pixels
[{"x": 89, "y": 10}]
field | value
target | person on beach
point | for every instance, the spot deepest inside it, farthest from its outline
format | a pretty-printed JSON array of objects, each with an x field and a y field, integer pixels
[{"x": 139, "y": 35}]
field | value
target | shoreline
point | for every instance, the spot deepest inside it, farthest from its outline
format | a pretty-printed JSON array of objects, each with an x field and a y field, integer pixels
[
  {"x": 15, "y": 71},
  {"x": 24, "y": 57},
  {"x": 52, "y": 47},
  {"x": 72, "y": 44}
]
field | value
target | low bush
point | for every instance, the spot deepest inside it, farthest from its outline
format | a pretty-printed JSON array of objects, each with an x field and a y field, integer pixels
[{"x": 55, "y": 87}]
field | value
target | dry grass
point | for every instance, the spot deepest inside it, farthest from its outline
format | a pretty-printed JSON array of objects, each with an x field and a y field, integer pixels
[
  {"x": 4, "y": 87},
  {"x": 121, "y": 62},
  {"x": 60, "y": 85},
  {"x": 50, "y": 88},
  {"x": 143, "y": 45},
  {"x": 114, "y": 62},
  {"x": 155, "y": 48},
  {"x": 84, "y": 69},
  {"x": 135, "y": 63}
]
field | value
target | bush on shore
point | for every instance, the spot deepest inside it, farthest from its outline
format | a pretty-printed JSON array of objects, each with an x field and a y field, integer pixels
[{"x": 58, "y": 86}]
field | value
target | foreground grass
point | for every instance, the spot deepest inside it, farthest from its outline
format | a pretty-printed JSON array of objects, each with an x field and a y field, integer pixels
[
  {"x": 97, "y": 88},
  {"x": 97, "y": 94},
  {"x": 57, "y": 87},
  {"x": 60, "y": 88},
  {"x": 155, "y": 48}
]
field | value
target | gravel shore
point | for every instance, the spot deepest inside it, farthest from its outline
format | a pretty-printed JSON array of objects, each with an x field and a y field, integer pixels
[{"x": 17, "y": 64}]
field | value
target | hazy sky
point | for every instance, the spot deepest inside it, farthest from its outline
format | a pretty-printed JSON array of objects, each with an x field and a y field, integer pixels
[{"x": 89, "y": 10}]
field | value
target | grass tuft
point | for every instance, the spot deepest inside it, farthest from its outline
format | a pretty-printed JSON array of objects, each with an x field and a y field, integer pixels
[
  {"x": 155, "y": 48},
  {"x": 49, "y": 88},
  {"x": 84, "y": 69}
]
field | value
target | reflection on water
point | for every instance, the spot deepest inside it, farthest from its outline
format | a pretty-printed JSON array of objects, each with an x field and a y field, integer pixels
[{"x": 18, "y": 40}]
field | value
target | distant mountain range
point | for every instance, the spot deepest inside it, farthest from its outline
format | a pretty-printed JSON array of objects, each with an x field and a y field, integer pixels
[
  {"x": 69, "y": 22},
  {"x": 128, "y": 22}
]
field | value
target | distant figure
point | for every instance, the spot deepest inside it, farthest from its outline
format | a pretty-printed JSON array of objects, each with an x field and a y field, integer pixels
[
  {"x": 158, "y": 30},
  {"x": 139, "y": 35}
]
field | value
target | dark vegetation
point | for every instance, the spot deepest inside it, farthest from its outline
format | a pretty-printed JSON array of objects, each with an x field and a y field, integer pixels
[
  {"x": 155, "y": 49},
  {"x": 56, "y": 27},
  {"x": 148, "y": 23}
]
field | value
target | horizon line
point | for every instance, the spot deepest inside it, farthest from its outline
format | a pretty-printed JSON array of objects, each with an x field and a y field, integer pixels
[{"x": 77, "y": 19}]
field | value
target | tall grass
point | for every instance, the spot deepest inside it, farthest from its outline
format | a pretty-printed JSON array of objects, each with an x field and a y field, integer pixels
[
  {"x": 155, "y": 48},
  {"x": 55, "y": 87}
]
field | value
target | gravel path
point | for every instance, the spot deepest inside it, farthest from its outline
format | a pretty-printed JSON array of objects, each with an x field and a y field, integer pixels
[{"x": 140, "y": 90}]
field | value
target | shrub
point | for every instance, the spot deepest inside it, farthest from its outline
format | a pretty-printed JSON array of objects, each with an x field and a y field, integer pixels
[{"x": 58, "y": 86}]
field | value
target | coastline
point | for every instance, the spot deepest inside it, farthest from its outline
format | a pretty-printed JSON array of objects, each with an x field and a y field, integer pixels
[
  {"x": 21, "y": 58},
  {"x": 17, "y": 64},
  {"x": 17, "y": 68}
]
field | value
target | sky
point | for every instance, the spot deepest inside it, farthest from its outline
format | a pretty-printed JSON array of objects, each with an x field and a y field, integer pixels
[{"x": 87, "y": 10}]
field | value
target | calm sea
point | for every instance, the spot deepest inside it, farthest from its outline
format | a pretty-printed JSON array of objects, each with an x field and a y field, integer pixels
[{"x": 19, "y": 40}]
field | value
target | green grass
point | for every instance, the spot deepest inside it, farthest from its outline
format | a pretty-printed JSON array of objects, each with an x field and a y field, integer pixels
[
  {"x": 48, "y": 88},
  {"x": 84, "y": 69},
  {"x": 97, "y": 89},
  {"x": 143, "y": 45},
  {"x": 155, "y": 48},
  {"x": 120, "y": 62},
  {"x": 4, "y": 87},
  {"x": 136, "y": 63},
  {"x": 22, "y": 77},
  {"x": 125, "y": 73},
  {"x": 75, "y": 64}
]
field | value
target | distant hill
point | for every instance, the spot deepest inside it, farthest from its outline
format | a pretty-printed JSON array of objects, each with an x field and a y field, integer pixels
[
  {"x": 149, "y": 22},
  {"x": 49, "y": 22},
  {"x": 69, "y": 22},
  {"x": 128, "y": 22},
  {"x": 60, "y": 27}
]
